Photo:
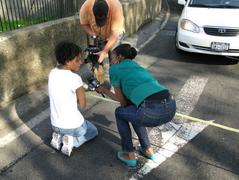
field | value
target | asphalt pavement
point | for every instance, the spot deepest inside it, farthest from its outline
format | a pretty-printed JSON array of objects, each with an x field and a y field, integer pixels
[{"x": 25, "y": 130}]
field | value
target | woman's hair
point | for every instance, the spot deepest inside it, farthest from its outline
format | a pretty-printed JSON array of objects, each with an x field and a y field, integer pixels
[
  {"x": 126, "y": 50},
  {"x": 66, "y": 51}
]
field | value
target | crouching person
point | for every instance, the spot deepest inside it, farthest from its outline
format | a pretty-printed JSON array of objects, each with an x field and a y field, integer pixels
[
  {"x": 144, "y": 103},
  {"x": 66, "y": 91}
]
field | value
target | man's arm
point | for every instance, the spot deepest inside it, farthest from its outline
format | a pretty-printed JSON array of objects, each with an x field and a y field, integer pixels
[
  {"x": 84, "y": 15},
  {"x": 87, "y": 29},
  {"x": 111, "y": 42},
  {"x": 117, "y": 26}
]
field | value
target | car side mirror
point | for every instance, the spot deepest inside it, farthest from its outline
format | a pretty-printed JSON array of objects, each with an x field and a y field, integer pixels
[{"x": 182, "y": 2}]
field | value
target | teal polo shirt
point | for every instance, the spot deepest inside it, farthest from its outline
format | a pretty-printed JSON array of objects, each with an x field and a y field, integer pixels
[{"x": 136, "y": 82}]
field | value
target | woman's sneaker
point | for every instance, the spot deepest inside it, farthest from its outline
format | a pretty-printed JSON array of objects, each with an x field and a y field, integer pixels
[
  {"x": 56, "y": 140},
  {"x": 67, "y": 145}
]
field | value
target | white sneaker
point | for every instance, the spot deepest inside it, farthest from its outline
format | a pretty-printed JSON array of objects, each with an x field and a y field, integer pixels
[
  {"x": 67, "y": 145},
  {"x": 56, "y": 140}
]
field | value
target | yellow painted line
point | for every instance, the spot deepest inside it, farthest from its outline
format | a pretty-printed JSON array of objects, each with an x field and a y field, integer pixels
[
  {"x": 101, "y": 98},
  {"x": 211, "y": 123}
]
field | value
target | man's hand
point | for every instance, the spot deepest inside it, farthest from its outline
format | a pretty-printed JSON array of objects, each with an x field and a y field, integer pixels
[{"x": 102, "y": 55}]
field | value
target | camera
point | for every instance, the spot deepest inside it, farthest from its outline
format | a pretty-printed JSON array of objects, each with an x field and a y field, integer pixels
[
  {"x": 95, "y": 44},
  {"x": 93, "y": 83}
]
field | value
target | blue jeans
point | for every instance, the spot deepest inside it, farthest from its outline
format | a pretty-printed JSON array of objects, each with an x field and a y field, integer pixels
[
  {"x": 81, "y": 134},
  {"x": 148, "y": 114}
]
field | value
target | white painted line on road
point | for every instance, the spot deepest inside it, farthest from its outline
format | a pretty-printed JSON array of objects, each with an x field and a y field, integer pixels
[
  {"x": 178, "y": 132},
  {"x": 24, "y": 128},
  {"x": 189, "y": 94}
]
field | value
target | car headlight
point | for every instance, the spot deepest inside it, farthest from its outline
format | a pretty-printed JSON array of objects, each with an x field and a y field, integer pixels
[{"x": 189, "y": 26}]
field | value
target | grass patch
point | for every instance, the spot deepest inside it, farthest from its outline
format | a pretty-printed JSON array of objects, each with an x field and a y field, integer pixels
[{"x": 16, "y": 24}]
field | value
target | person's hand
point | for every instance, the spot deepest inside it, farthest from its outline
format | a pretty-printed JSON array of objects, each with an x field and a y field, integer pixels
[
  {"x": 99, "y": 90},
  {"x": 102, "y": 55}
]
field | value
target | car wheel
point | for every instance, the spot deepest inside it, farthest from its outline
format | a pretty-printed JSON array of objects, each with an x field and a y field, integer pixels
[{"x": 234, "y": 60}]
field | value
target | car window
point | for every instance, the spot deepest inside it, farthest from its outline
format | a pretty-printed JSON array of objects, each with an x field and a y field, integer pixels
[{"x": 214, "y": 3}]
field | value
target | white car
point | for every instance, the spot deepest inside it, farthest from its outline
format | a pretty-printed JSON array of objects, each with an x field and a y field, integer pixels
[{"x": 209, "y": 27}]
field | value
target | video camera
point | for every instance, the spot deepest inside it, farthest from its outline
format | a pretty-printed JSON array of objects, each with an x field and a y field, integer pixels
[
  {"x": 95, "y": 44},
  {"x": 93, "y": 83}
]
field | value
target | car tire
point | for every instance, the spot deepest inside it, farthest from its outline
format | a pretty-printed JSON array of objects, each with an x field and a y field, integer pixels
[{"x": 233, "y": 59}]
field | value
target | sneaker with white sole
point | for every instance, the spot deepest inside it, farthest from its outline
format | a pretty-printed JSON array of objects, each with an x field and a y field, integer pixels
[
  {"x": 67, "y": 145},
  {"x": 56, "y": 140}
]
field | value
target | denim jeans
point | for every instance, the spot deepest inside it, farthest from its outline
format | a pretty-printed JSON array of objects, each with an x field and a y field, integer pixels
[
  {"x": 148, "y": 114},
  {"x": 81, "y": 134}
]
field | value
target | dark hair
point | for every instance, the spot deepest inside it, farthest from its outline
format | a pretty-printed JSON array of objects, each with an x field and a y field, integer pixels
[
  {"x": 100, "y": 10},
  {"x": 100, "y": 7},
  {"x": 66, "y": 51},
  {"x": 126, "y": 50}
]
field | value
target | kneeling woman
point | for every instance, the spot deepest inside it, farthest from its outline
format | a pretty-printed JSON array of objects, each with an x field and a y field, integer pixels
[{"x": 144, "y": 102}]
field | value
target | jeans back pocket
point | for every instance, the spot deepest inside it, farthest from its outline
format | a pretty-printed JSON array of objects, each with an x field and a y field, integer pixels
[{"x": 155, "y": 114}]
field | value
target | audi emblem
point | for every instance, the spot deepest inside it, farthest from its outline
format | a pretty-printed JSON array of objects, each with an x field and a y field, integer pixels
[{"x": 221, "y": 30}]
